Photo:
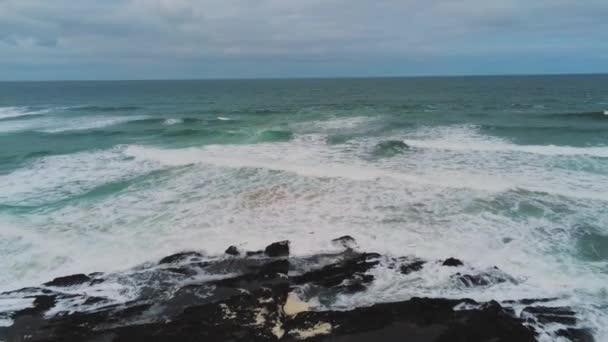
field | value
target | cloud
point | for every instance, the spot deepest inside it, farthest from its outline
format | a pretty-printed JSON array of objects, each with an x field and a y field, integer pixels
[{"x": 222, "y": 38}]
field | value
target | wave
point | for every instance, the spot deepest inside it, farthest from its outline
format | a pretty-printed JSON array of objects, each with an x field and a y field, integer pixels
[
  {"x": 170, "y": 122},
  {"x": 599, "y": 115},
  {"x": 19, "y": 112},
  {"x": 185, "y": 132},
  {"x": 52, "y": 178},
  {"x": 104, "y": 108},
  {"x": 86, "y": 123},
  {"x": 164, "y": 121},
  {"x": 254, "y": 156},
  {"x": 547, "y": 150},
  {"x": 275, "y": 135},
  {"x": 389, "y": 148}
]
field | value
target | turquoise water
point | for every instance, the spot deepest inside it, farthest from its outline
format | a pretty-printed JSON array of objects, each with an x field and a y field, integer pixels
[{"x": 507, "y": 171}]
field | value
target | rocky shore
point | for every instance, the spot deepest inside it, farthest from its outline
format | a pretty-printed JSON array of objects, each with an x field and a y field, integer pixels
[{"x": 266, "y": 296}]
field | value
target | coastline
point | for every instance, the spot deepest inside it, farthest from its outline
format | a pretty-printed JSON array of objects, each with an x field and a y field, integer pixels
[{"x": 270, "y": 296}]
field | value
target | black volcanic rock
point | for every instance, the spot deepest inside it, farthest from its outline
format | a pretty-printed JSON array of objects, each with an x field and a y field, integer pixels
[
  {"x": 178, "y": 257},
  {"x": 70, "y": 280},
  {"x": 253, "y": 299},
  {"x": 345, "y": 241},
  {"x": 232, "y": 250},
  {"x": 576, "y": 335},
  {"x": 452, "y": 262},
  {"x": 413, "y": 266},
  {"x": 277, "y": 249}
]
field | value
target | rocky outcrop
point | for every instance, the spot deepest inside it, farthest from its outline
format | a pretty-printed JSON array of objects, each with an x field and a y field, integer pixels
[
  {"x": 264, "y": 296},
  {"x": 277, "y": 249}
]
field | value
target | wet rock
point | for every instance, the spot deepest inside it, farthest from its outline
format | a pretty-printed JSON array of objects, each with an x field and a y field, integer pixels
[
  {"x": 246, "y": 299},
  {"x": 40, "y": 304},
  {"x": 277, "y": 249},
  {"x": 488, "y": 277},
  {"x": 346, "y": 272},
  {"x": 232, "y": 250},
  {"x": 576, "y": 335},
  {"x": 252, "y": 253},
  {"x": 452, "y": 262},
  {"x": 345, "y": 241},
  {"x": 178, "y": 257},
  {"x": 418, "y": 319},
  {"x": 70, "y": 280},
  {"x": 470, "y": 280},
  {"x": 545, "y": 314},
  {"x": 412, "y": 266}
]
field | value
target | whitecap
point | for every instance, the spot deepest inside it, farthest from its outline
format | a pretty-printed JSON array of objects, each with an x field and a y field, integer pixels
[
  {"x": 14, "y": 112},
  {"x": 468, "y": 139},
  {"x": 170, "y": 122}
]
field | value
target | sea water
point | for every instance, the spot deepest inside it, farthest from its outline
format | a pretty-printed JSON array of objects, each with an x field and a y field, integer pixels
[{"x": 496, "y": 171}]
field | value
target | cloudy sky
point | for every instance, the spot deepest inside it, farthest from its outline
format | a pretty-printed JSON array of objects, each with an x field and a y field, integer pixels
[{"x": 144, "y": 39}]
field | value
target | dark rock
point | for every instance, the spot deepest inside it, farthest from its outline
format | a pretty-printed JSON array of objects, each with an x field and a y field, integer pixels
[
  {"x": 40, "y": 305},
  {"x": 452, "y": 262},
  {"x": 277, "y": 249},
  {"x": 345, "y": 241},
  {"x": 252, "y": 253},
  {"x": 485, "y": 278},
  {"x": 96, "y": 281},
  {"x": 232, "y": 250},
  {"x": 178, "y": 257},
  {"x": 469, "y": 280},
  {"x": 529, "y": 301},
  {"x": 576, "y": 335},
  {"x": 418, "y": 319},
  {"x": 335, "y": 274},
  {"x": 94, "y": 300},
  {"x": 70, "y": 280},
  {"x": 412, "y": 267},
  {"x": 244, "y": 300},
  {"x": 545, "y": 314}
]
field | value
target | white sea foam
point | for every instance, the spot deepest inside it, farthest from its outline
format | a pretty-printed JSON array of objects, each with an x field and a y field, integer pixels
[
  {"x": 518, "y": 210},
  {"x": 54, "y": 178},
  {"x": 332, "y": 124},
  {"x": 58, "y": 124},
  {"x": 548, "y": 150},
  {"x": 468, "y": 139},
  {"x": 170, "y": 122},
  {"x": 86, "y": 123},
  {"x": 223, "y": 118},
  {"x": 14, "y": 112}
]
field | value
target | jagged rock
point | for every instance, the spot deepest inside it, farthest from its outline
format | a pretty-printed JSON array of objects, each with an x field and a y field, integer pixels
[
  {"x": 345, "y": 241},
  {"x": 277, "y": 249},
  {"x": 179, "y": 257},
  {"x": 70, "y": 280},
  {"x": 452, "y": 262},
  {"x": 418, "y": 319},
  {"x": 336, "y": 274},
  {"x": 251, "y": 299},
  {"x": 576, "y": 335},
  {"x": 482, "y": 279},
  {"x": 545, "y": 314},
  {"x": 232, "y": 250},
  {"x": 412, "y": 267}
]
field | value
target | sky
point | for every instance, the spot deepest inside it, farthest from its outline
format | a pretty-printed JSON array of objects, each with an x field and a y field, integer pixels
[{"x": 174, "y": 39}]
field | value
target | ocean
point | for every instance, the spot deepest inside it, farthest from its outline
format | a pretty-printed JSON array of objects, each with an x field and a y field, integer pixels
[{"x": 497, "y": 171}]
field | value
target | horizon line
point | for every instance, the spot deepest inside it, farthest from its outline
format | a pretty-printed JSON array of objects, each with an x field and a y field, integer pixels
[{"x": 309, "y": 77}]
